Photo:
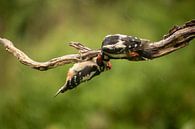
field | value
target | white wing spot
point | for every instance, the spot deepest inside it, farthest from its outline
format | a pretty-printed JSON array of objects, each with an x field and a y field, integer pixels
[
  {"x": 75, "y": 78},
  {"x": 119, "y": 44}
]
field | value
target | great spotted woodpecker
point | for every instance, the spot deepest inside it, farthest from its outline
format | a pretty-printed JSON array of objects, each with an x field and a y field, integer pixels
[
  {"x": 119, "y": 46},
  {"x": 84, "y": 71}
]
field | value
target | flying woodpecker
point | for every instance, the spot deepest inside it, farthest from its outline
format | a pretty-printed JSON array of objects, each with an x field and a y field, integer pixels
[
  {"x": 84, "y": 71},
  {"x": 119, "y": 46}
]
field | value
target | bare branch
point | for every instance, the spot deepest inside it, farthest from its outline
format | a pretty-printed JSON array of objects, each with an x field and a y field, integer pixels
[
  {"x": 178, "y": 37},
  {"x": 80, "y": 47},
  {"x": 55, "y": 62}
]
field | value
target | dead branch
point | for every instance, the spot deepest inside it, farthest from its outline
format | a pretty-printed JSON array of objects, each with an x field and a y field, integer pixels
[
  {"x": 178, "y": 37},
  {"x": 55, "y": 62}
]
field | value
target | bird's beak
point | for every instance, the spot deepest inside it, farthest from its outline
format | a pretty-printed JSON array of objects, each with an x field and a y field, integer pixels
[
  {"x": 57, "y": 93},
  {"x": 61, "y": 90}
]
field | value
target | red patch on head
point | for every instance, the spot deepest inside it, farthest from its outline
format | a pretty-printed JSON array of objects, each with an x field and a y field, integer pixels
[
  {"x": 133, "y": 54},
  {"x": 108, "y": 65},
  {"x": 99, "y": 59}
]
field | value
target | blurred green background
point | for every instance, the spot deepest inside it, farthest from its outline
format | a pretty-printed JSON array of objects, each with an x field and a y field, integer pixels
[{"x": 157, "y": 94}]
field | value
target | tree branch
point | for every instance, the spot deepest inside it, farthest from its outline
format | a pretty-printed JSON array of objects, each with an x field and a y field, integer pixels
[
  {"x": 55, "y": 62},
  {"x": 178, "y": 37}
]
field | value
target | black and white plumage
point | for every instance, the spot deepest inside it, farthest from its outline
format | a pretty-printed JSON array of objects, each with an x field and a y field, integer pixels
[
  {"x": 120, "y": 46},
  {"x": 82, "y": 72},
  {"x": 113, "y": 47}
]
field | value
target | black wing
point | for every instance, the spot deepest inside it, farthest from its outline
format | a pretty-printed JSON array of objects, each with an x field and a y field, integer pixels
[
  {"x": 80, "y": 72},
  {"x": 124, "y": 47}
]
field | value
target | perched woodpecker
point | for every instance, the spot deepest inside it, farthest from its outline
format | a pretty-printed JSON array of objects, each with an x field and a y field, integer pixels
[
  {"x": 84, "y": 71},
  {"x": 119, "y": 46}
]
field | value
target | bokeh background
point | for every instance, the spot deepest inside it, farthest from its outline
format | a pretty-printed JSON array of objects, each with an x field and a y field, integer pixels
[{"x": 157, "y": 94}]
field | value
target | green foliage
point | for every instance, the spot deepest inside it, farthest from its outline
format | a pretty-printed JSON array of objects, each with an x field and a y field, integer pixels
[{"x": 157, "y": 94}]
